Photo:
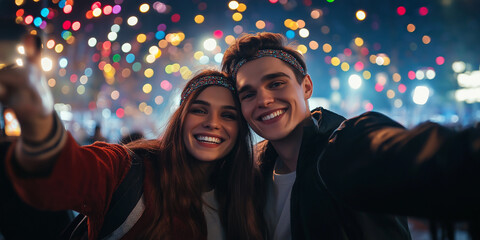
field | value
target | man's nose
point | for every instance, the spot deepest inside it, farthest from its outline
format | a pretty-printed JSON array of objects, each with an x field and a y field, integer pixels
[{"x": 264, "y": 98}]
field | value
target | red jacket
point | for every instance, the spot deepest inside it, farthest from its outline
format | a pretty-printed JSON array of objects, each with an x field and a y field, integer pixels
[{"x": 83, "y": 179}]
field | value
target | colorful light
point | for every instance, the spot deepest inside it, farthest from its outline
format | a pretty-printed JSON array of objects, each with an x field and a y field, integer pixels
[
  {"x": 423, "y": 11},
  {"x": 401, "y": 10},
  {"x": 175, "y": 17},
  {"x": 361, "y": 15}
]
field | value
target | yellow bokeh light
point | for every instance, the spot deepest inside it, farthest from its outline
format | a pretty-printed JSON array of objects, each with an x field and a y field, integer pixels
[
  {"x": 144, "y": 8},
  {"x": 184, "y": 70},
  {"x": 158, "y": 54},
  {"x": 260, "y": 24},
  {"x": 302, "y": 48},
  {"x": 358, "y": 41},
  {"x": 229, "y": 40},
  {"x": 18, "y": 2},
  {"x": 59, "y": 48},
  {"x": 426, "y": 39},
  {"x": 237, "y": 17},
  {"x": 410, "y": 27},
  {"x": 142, "y": 105},
  {"x": 241, "y": 7},
  {"x": 198, "y": 55},
  {"x": 373, "y": 59},
  {"x": 386, "y": 61},
  {"x": 361, "y": 15},
  {"x": 313, "y": 45},
  {"x": 141, "y": 38},
  {"x": 327, "y": 48},
  {"x": 233, "y": 5},
  {"x": 147, "y": 88},
  {"x": 148, "y": 110},
  {"x": 293, "y": 25},
  {"x": 107, "y": 68},
  {"x": 345, "y": 66},
  {"x": 148, "y": 73},
  {"x": 199, "y": 19},
  {"x": 287, "y": 22},
  {"x": 390, "y": 94},
  {"x": 335, "y": 61},
  {"x": 97, "y": 12},
  {"x": 396, "y": 77},
  {"x": 175, "y": 67},
  {"x": 367, "y": 75}
]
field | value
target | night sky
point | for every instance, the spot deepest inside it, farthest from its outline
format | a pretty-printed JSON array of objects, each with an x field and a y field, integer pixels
[{"x": 130, "y": 75}]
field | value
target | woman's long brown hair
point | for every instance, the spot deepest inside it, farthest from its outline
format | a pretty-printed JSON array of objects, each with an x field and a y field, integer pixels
[{"x": 178, "y": 197}]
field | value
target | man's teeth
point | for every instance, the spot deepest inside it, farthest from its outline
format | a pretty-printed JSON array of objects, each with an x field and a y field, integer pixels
[
  {"x": 208, "y": 139},
  {"x": 273, "y": 115}
]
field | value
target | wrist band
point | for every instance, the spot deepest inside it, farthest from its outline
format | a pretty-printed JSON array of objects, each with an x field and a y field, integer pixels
[{"x": 48, "y": 147}]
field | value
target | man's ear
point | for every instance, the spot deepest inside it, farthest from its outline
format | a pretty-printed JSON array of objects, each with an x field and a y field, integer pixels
[{"x": 307, "y": 86}]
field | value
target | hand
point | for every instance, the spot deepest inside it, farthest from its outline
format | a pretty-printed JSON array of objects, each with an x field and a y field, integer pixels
[{"x": 24, "y": 89}]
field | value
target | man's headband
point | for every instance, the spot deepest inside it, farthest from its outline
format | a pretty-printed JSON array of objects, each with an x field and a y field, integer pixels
[
  {"x": 280, "y": 54},
  {"x": 207, "y": 81}
]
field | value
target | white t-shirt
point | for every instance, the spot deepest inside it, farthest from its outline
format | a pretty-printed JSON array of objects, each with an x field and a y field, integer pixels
[
  {"x": 210, "y": 209},
  {"x": 277, "y": 211}
]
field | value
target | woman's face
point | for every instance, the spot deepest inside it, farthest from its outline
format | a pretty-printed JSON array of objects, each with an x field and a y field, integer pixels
[{"x": 210, "y": 129}]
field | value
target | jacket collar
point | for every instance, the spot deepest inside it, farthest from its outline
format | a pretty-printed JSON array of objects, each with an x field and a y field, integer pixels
[{"x": 321, "y": 123}]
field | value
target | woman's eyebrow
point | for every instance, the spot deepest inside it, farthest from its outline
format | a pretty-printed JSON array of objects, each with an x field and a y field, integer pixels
[{"x": 205, "y": 103}]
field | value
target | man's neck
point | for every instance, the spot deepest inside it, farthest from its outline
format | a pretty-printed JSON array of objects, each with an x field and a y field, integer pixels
[{"x": 288, "y": 150}]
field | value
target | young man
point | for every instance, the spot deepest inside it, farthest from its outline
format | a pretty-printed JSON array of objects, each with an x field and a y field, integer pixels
[{"x": 274, "y": 88}]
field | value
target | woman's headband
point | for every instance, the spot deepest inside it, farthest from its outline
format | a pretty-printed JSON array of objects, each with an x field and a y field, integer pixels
[
  {"x": 280, "y": 54},
  {"x": 207, "y": 81}
]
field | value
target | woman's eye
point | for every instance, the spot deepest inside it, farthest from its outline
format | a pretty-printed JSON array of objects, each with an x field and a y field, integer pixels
[
  {"x": 231, "y": 116},
  {"x": 197, "y": 111}
]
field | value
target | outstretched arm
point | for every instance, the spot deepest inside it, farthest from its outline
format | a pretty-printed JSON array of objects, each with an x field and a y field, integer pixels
[
  {"x": 26, "y": 92},
  {"x": 372, "y": 163}
]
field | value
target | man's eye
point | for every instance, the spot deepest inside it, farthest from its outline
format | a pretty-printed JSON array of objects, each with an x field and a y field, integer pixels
[
  {"x": 276, "y": 84},
  {"x": 247, "y": 96}
]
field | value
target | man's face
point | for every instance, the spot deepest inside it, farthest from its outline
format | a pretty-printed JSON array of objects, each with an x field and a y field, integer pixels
[{"x": 273, "y": 102}]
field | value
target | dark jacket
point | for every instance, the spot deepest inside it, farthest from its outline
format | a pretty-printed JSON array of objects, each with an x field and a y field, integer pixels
[
  {"x": 429, "y": 171},
  {"x": 315, "y": 213},
  {"x": 19, "y": 220}
]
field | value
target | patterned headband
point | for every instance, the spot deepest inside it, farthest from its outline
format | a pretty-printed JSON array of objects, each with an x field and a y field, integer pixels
[
  {"x": 282, "y": 55},
  {"x": 207, "y": 81}
]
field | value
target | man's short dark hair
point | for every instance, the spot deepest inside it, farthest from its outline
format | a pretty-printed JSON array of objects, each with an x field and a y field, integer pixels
[{"x": 247, "y": 46}]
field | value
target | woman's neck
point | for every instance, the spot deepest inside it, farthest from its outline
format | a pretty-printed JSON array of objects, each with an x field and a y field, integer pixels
[{"x": 203, "y": 172}]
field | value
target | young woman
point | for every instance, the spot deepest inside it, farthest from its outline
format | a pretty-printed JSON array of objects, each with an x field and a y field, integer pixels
[{"x": 199, "y": 176}]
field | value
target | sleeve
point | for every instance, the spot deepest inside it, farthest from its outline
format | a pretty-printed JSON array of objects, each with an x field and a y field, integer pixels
[
  {"x": 374, "y": 164},
  {"x": 83, "y": 178}
]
